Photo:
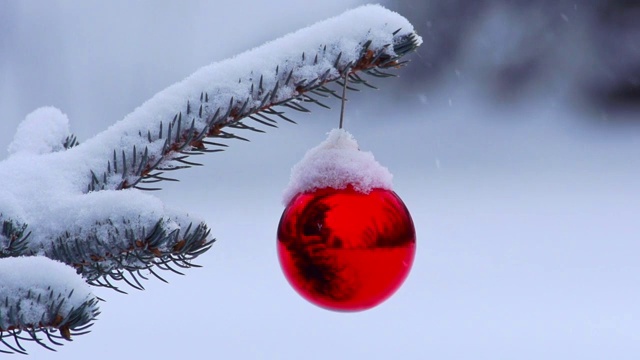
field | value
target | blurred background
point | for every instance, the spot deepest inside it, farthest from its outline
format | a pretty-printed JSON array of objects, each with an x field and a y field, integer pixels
[
  {"x": 513, "y": 136},
  {"x": 582, "y": 53}
]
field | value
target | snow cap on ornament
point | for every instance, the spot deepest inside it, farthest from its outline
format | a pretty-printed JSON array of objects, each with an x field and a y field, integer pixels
[{"x": 337, "y": 163}]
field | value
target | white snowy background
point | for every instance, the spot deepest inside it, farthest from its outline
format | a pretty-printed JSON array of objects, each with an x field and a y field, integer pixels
[{"x": 526, "y": 215}]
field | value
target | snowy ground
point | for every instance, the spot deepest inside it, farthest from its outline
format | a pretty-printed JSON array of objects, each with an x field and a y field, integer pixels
[{"x": 526, "y": 221}]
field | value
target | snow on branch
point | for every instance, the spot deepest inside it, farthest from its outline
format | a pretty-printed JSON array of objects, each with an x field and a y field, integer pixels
[
  {"x": 240, "y": 93},
  {"x": 42, "y": 300},
  {"x": 83, "y": 204}
]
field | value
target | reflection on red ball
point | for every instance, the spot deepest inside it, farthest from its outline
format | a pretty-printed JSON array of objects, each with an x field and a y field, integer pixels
[{"x": 344, "y": 250}]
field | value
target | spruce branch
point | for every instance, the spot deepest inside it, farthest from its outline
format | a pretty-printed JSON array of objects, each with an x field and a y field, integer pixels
[
  {"x": 191, "y": 118},
  {"x": 129, "y": 252},
  {"x": 205, "y": 120},
  {"x": 43, "y": 308},
  {"x": 53, "y": 326},
  {"x": 13, "y": 238},
  {"x": 216, "y": 111},
  {"x": 82, "y": 205},
  {"x": 70, "y": 141}
]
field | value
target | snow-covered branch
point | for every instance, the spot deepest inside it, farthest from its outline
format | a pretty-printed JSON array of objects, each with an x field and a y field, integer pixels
[
  {"x": 42, "y": 300},
  {"x": 82, "y": 204},
  {"x": 241, "y": 93}
]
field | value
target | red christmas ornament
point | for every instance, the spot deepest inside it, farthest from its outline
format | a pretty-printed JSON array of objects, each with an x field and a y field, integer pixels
[{"x": 344, "y": 247}]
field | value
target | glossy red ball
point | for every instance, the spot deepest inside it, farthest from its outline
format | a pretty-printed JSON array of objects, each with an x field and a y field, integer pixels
[{"x": 345, "y": 250}]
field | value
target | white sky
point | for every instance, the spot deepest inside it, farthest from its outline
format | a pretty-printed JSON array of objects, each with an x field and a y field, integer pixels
[{"x": 526, "y": 219}]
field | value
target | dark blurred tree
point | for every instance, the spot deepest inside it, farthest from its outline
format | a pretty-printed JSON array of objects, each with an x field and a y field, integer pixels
[{"x": 583, "y": 52}]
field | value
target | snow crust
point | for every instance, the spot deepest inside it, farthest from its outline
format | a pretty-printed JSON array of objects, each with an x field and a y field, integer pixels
[
  {"x": 42, "y": 131},
  {"x": 337, "y": 163},
  {"x": 38, "y": 275}
]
